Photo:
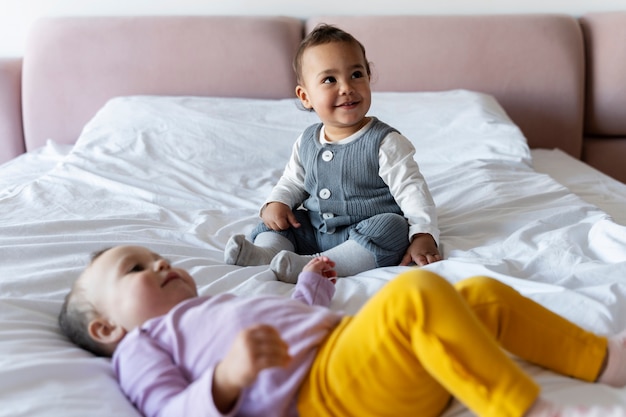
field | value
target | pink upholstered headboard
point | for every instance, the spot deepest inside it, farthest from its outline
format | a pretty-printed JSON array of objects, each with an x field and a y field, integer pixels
[
  {"x": 11, "y": 135},
  {"x": 533, "y": 64},
  {"x": 605, "y": 130},
  {"x": 74, "y": 65}
]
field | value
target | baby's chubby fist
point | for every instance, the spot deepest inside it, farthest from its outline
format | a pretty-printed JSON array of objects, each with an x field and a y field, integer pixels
[{"x": 322, "y": 265}]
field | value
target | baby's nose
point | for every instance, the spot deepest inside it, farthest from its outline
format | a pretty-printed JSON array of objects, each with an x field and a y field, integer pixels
[
  {"x": 346, "y": 87},
  {"x": 161, "y": 265}
]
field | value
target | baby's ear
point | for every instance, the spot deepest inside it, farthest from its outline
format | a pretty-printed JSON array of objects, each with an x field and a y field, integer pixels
[
  {"x": 103, "y": 331},
  {"x": 302, "y": 94}
]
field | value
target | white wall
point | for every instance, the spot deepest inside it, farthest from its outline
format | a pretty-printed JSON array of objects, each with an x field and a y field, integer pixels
[{"x": 16, "y": 16}]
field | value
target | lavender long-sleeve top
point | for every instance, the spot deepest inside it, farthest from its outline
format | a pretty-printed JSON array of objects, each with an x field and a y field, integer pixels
[{"x": 166, "y": 366}]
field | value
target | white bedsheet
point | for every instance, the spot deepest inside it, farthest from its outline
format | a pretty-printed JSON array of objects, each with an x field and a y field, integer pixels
[
  {"x": 180, "y": 175},
  {"x": 28, "y": 166},
  {"x": 588, "y": 183}
]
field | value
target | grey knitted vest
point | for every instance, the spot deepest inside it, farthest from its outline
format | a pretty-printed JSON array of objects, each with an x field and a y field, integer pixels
[{"x": 342, "y": 180}]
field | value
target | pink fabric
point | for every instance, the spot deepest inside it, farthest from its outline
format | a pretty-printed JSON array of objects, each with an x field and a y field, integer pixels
[
  {"x": 607, "y": 155},
  {"x": 605, "y": 38},
  {"x": 605, "y": 118},
  {"x": 533, "y": 64},
  {"x": 74, "y": 65},
  {"x": 11, "y": 136}
]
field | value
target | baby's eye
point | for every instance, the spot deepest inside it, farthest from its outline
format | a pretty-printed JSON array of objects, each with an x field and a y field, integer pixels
[
  {"x": 137, "y": 268},
  {"x": 329, "y": 80},
  {"x": 357, "y": 74}
]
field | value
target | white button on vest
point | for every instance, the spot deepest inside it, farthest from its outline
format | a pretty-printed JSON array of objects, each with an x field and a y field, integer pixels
[
  {"x": 327, "y": 155},
  {"x": 324, "y": 194},
  {"x": 328, "y": 215}
]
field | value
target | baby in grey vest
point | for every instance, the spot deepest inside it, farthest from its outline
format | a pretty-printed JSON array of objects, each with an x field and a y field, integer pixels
[{"x": 351, "y": 190}]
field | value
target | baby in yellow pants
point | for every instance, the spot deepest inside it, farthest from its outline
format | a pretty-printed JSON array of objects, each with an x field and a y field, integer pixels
[{"x": 418, "y": 343}]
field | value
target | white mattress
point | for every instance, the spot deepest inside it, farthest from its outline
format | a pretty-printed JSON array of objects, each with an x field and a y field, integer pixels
[{"x": 181, "y": 174}]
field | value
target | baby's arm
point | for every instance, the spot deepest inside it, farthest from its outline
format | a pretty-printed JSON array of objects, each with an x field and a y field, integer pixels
[
  {"x": 316, "y": 282},
  {"x": 254, "y": 349},
  {"x": 159, "y": 387},
  {"x": 156, "y": 385},
  {"x": 289, "y": 192},
  {"x": 407, "y": 185}
]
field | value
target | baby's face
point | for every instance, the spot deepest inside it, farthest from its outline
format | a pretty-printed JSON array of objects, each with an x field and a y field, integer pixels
[
  {"x": 130, "y": 284},
  {"x": 335, "y": 83}
]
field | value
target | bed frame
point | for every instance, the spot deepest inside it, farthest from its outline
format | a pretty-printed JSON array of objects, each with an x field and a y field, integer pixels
[{"x": 559, "y": 78}]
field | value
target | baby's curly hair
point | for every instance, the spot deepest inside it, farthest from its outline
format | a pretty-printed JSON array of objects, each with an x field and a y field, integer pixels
[
  {"x": 323, "y": 34},
  {"x": 75, "y": 315}
]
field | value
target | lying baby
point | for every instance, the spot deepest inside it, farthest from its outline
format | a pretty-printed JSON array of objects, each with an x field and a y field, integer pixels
[{"x": 416, "y": 344}]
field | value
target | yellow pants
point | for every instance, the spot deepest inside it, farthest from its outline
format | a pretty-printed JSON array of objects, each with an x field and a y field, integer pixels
[{"x": 421, "y": 341}]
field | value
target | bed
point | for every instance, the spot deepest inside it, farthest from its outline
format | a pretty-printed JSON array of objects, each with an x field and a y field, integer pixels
[{"x": 169, "y": 132}]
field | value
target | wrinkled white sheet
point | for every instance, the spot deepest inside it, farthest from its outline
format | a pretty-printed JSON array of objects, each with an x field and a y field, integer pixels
[
  {"x": 588, "y": 183},
  {"x": 28, "y": 166},
  {"x": 180, "y": 175}
]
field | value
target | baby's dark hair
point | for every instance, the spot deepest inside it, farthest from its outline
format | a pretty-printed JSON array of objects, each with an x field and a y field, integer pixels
[
  {"x": 323, "y": 34},
  {"x": 75, "y": 315}
]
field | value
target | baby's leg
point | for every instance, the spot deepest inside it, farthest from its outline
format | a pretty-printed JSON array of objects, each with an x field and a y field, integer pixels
[
  {"x": 532, "y": 332},
  {"x": 350, "y": 258},
  {"x": 614, "y": 372},
  {"x": 385, "y": 235},
  {"x": 538, "y": 335},
  {"x": 267, "y": 243},
  {"x": 380, "y": 240},
  {"x": 411, "y": 347},
  {"x": 242, "y": 252}
]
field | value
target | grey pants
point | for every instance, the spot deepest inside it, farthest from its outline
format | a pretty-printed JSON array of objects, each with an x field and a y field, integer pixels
[{"x": 385, "y": 235}]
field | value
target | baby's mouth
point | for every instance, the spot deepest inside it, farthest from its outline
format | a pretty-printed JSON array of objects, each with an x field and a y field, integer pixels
[{"x": 171, "y": 276}]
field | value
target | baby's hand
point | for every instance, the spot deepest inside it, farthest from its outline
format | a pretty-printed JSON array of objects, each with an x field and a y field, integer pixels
[
  {"x": 278, "y": 216},
  {"x": 323, "y": 266},
  {"x": 253, "y": 350},
  {"x": 422, "y": 250}
]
